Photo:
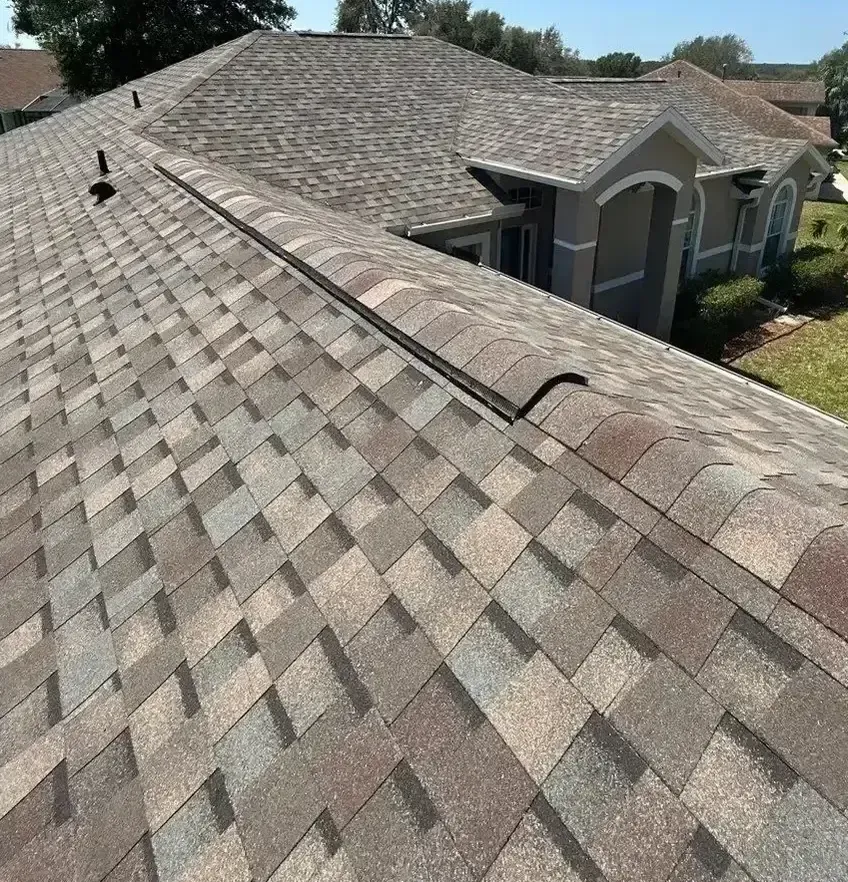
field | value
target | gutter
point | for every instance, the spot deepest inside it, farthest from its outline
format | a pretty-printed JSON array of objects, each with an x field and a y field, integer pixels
[{"x": 497, "y": 213}]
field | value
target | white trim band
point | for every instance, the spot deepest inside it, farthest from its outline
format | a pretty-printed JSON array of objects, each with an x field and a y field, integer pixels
[
  {"x": 572, "y": 247},
  {"x": 714, "y": 252},
  {"x": 655, "y": 176},
  {"x": 679, "y": 221},
  {"x": 619, "y": 282}
]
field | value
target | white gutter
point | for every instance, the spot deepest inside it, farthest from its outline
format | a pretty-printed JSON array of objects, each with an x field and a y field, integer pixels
[
  {"x": 497, "y": 213},
  {"x": 727, "y": 172},
  {"x": 518, "y": 172}
]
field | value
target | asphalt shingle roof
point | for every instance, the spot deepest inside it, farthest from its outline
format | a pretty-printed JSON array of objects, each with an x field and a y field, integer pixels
[
  {"x": 783, "y": 91},
  {"x": 550, "y": 135},
  {"x": 759, "y": 113},
  {"x": 278, "y": 600},
  {"x": 741, "y": 144},
  {"x": 24, "y": 75}
]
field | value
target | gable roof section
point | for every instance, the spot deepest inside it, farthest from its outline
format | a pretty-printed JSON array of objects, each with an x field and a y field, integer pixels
[
  {"x": 743, "y": 147},
  {"x": 783, "y": 91},
  {"x": 277, "y": 597},
  {"x": 24, "y": 75},
  {"x": 570, "y": 142},
  {"x": 759, "y": 113}
]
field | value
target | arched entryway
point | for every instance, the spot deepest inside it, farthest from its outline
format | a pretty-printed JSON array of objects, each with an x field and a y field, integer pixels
[{"x": 640, "y": 242}]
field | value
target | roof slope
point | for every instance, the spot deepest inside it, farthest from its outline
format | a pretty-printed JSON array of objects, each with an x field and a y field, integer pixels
[
  {"x": 24, "y": 75},
  {"x": 783, "y": 91},
  {"x": 553, "y": 136},
  {"x": 759, "y": 113},
  {"x": 360, "y": 123},
  {"x": 279, "y": 600},
  {"x": 742, "y": 146}
]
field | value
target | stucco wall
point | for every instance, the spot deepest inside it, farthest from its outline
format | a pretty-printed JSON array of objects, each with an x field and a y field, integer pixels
[
  {"x": 543, "y": 217},
  {"x": 623, "y": 237},
  {"x": 718, "y": 228}
]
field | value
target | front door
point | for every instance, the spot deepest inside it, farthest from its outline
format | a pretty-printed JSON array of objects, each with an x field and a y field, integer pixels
[{"x": 518, "y": 252}]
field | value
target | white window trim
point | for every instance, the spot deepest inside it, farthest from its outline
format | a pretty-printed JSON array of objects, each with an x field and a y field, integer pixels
[
  {"x": 482, "y": 239},
  {"x": 790, "y": 213},
  {"x": 534, "y": 228},
  {"x": 695, "y": 247}
]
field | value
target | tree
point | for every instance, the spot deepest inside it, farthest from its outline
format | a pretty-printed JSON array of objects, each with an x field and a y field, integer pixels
[
  {"x": 617, "y": 64},
  {"x": 833, "y": 69},
  {"x": 554, "y": 57},
  {"x": 378, "y": 16},
  {"x": 487, "y": 29},
  {"x": 713, "y": 53},
  {"x": 449, "y": 21},
  {"x": 101, "y": 45}
]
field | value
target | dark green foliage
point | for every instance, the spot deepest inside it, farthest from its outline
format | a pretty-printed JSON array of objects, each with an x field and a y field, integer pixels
[
  {"x": 833, "y": 69},
  {"x": 813, "y": 277},
  {"x": 713, "y": 53},
  {"x": 617, "y": 64},
  {"x": 486, "y": 33},
  {"x": 100, "y": 45},
  {"x": 713, "y": 308},
  {"x": 378, "y": 16}
]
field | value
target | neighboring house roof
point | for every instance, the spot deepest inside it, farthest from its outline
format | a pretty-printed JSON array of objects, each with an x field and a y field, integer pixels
[
  {"x": 822, "y": 123},
  {"x": 759, "y": 113},
  {"x": 742, "y": 146},
  {"x": 51, "y": 102},
  {"x": 317, "y": 559},
  {"x": 783, "y": 91},
  {"x": 24, "y": 75}
]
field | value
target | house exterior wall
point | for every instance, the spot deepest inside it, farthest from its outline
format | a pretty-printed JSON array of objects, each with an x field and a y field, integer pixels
[
  {"x": 718, "y": 226},
  {"x": 623, "y": 235},
  {"x": 543, "y": 217},
  {"x": 755, "y": 228}
]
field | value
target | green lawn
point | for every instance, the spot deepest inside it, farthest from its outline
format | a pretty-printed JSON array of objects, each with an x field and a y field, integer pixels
[
  {"x": 833, "y": 213},
  {"x": 812, "y": 363}
]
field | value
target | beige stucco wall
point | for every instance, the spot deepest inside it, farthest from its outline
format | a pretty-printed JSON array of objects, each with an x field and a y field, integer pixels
[
  {"x": 757, "y": 221},
  {"x": 623, "y": 235}
]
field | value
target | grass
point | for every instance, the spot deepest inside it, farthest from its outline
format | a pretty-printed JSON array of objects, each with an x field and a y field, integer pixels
[
  {"x": 811, "y": 364},
  {"x": 834, "y": 213},
  {"x": 843, "y": 167}
]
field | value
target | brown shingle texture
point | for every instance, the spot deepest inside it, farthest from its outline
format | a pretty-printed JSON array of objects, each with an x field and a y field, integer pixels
[{"x": 279, "y": 601}]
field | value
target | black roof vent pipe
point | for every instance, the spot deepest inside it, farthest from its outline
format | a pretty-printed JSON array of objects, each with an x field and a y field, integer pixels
[
  {"x": 101, "y": 160},
  {"x": 136, "y": 102}
]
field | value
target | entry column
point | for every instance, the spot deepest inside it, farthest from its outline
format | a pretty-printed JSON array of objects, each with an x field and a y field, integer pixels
[{"x": 576, "y": 220}]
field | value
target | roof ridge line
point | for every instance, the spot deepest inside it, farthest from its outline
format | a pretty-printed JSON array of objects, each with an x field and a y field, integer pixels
[{"x": 509, "y": 406}]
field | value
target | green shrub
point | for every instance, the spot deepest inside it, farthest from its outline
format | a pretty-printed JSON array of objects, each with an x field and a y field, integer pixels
[
  {"x": 713, "y": 308},
  {"x": 813, "y": 276}
]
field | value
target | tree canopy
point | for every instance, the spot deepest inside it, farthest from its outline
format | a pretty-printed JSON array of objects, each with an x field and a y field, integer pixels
[
  {"x": 377, "y": 16},
  {"x": 101, "y": 45},
  {"x": 713, "y": 53},
  {"x": 617, "y": 64},
  {"x": 833, "y": 69},
  {"x": 484, "y": 31}
]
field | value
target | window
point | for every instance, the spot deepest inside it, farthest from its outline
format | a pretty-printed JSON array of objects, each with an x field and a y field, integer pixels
[
  {"x": 466, "y": 246},
  {"x": 530, "y": 196},
  {"x": 518, "y": 252},
  {"x": 778, "y": 223},
  {"x": 688, "y": 258}
]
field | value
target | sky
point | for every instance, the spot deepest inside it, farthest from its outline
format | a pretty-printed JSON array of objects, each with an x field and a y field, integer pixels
[{"x": 776, "y": 30}]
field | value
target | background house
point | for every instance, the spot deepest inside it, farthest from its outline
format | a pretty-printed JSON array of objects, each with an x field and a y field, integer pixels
[
  {"x": 798, "y": 97},
  {"x": 30, "y": 87}
]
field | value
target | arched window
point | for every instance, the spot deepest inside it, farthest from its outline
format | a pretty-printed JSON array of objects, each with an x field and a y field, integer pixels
[
  {"x": 690, "y": 237},
  {"x": 782, "y": 207}
]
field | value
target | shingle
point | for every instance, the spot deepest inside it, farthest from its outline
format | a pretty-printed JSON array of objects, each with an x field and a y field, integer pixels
[{"x": 668, "y": 718}]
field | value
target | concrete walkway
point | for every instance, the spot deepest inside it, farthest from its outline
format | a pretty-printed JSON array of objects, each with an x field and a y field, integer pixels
[{"x": 835, "y": 190}]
